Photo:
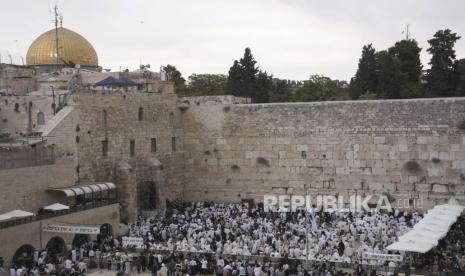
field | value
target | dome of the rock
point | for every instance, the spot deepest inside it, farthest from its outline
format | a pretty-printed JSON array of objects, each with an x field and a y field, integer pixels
[{"x": 72, "y": 49}]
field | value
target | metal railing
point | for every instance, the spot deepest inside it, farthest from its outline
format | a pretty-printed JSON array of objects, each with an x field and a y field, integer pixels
[{"x": 52, "y": 214}]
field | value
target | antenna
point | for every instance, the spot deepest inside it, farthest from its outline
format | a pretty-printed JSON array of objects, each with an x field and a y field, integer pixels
[
  {"x": 407, "y": 33},
  {"x": 56, "y": 35}
]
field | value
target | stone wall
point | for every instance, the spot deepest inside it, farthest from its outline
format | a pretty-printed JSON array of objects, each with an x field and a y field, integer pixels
[
  {"x": 18, "y": 157},
  {"x": 113, "y": 119},
  {"x": 25, "y": 188},
  {"x": 404, "y": 148},
  {"x": 14, "y": 113}
]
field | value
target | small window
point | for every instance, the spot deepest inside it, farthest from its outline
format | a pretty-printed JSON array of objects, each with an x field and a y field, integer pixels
[
  {"x": 153, "y": 145},
  {"x": 104, "y": 118},
  {"x": 132, "y": 148},
  {"x": 173, "y": 143},
  {"x": 171, "y": 118},
  {"x": 141, "y": 114},
  {"x": 40, "y": 119},
  {"x": 105, "y": 148},
  {"x": 303, "y": 154}
]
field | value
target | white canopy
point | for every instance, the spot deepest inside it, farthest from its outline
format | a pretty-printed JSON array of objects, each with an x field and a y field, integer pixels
[
  {"x": 85, "y": 189},
  {"x": 428, "y": 231},
  {"x": 56, "y": 207},
  {"x": 15, "y": 214},
  {"x": 413, "y": 246}
]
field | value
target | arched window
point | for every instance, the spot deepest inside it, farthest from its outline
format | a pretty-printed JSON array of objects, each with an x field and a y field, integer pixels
[
  {"x": 104, "y": 118},
  {"x": 141, "y": 114},
  {"x": 40, "y": 118}
]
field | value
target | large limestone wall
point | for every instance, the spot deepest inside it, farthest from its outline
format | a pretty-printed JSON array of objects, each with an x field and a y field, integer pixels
[
  {"x": 25, "y": 188},
  {"x": 161, "y": 120},
  {"x": 407, "y": 148}
]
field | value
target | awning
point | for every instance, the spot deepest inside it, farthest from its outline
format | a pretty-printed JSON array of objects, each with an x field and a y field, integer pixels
[
  {"x": 15, "y": 214},
  {"x": 56, "y": 207},
  {"x": 84, "y": 189}
]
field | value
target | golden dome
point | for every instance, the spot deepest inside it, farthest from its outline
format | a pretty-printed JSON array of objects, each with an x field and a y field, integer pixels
[{"x": 72, "y": 49}]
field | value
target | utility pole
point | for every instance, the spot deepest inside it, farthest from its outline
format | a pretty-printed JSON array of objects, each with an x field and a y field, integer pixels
[{"x": 407, "y": 34}]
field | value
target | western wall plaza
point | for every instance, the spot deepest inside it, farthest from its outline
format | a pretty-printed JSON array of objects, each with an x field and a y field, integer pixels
[{"x": 244, "y": 138}]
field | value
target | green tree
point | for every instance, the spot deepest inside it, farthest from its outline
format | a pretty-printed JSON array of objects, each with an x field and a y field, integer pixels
[
  {"x": 407, "y": 53},
  {"x": 207, "y": 84},
  {"x": 390, "y": 78},
  {"x": 234, "y": 82},
  {"x": 262, "y": 88},
  {"x": 368, "y": 95},
  {"x": 281, "y": 91},
  {"x": 460, "y": 78},
  {"x": 242, "y": 75},
  {"x": 365, "y": 79},
  {"x": 321, "y": 88},
  {"x": 175, "y": 76},
  {"x": 248, "y": 73},
  {"x": 440, "y": 78}
]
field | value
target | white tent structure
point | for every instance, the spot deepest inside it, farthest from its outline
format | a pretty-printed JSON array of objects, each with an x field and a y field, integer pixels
[
  {"x": 56, "y": 207},
  {"x": 426, "y": 233},
  {"x": 15, "y": 214}
]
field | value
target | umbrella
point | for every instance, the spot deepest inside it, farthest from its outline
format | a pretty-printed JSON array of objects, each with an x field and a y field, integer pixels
[{"x": 56, "y": 207}]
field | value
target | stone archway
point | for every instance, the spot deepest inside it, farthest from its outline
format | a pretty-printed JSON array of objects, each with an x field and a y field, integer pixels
[
  {"x": 147, "y": 195},
  {"x": 24, "y": 256},
  {"x": 106, "y": 230},
  {"x": 80, "y": 239},
  {"x": 55, "y": 246}
]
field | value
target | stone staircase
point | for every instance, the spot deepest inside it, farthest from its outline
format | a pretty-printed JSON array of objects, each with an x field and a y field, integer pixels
[{"x": 55, "y": 121}]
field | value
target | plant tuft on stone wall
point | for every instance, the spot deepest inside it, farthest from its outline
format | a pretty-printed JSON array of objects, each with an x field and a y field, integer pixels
[
  {"x": 412, "y": 166},
  {"x": 461, "y": 125},
  {"x": 262, "y": 161},
  {"x": 235, "y": 167},
  {"x": 436, "y": 160}
]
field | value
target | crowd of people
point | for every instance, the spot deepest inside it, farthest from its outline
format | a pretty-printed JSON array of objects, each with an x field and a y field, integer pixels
[
  {"x": 232, "y": 229},
  {"x": 230, "y": 239}
]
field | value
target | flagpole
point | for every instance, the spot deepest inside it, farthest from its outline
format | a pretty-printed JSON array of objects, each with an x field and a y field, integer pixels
[{"x": 306, "y": 232}]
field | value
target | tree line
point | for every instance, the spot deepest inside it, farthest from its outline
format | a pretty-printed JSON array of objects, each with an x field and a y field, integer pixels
[{"x": 394, "y": 73}]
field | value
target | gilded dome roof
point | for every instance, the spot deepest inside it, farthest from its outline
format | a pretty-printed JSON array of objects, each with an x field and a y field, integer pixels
[{"x": 72, "y": 49}]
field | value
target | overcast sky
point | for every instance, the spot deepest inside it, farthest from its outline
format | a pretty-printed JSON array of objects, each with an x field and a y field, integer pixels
[{"x": 290, "y": 39}]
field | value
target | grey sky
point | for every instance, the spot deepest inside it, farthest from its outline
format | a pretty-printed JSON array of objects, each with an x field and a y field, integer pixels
[{"x": 289, "y": 38}]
